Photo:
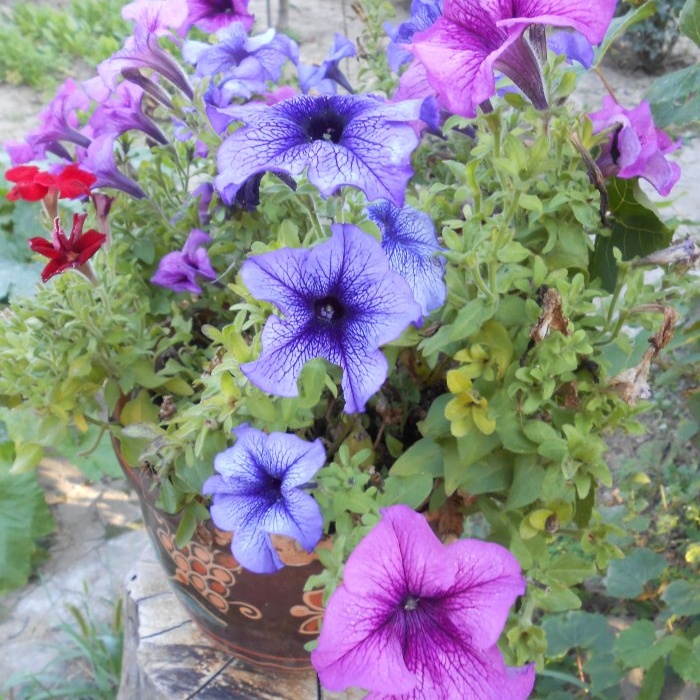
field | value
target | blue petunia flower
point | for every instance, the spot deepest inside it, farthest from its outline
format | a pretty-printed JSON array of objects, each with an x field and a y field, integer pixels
[
  {"x": 423, "y": 14},
  {"x": 324, "y": 78},
  {"x": 245, "y": 64},
  {"x": 341, "y": 301},
  {"x": 339, "y": 140},
  {"x": 410, "y": 243},
  {"x": 257, "y": 493}
]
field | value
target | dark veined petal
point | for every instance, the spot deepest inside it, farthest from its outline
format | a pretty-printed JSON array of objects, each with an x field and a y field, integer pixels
[
  {"x": 255, "y": 494},
  {"x": 254, "y": 551},
  {"x": 416, "y": 608},
  {"x": 410, "y": 242},
  {"x": 341, "y": 302},
  {"x": 340, "y": 140}
]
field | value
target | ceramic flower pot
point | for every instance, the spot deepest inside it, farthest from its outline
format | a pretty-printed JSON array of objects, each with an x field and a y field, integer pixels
[{"x": 265, "y": 619}]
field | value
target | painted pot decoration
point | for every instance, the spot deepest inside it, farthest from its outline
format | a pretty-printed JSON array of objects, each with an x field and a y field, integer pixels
[{"x": 265, "y": 619}]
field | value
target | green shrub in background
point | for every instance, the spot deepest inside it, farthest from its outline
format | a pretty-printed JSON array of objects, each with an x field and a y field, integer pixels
[
  {"x": 40, "y": 45},
  {"x": 653, "y": 40}
]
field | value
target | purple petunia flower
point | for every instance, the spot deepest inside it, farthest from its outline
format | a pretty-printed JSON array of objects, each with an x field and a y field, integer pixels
[
  {"x": 58, "y": 122},
  {"x": 423, "y": 14},
  {"x": 99, "y": 159},
  {"x": 636, "y": 147},
  {"x": 142, "y": 50},
  {"x": 257, "y": 493},
  {"x": 353, "y": 140},
  {"x": 410, "y": 244},
  {"x": 471, "y": 39},
  {"x": 341, "y": 301},
  {"x": 245, "y": 63},
  {"x": 121, "y": 112},
  {"x": 161, "y": 16},
  {"x": 573, "y": 45},
  {"x": 325, "y": 77},
  {"x": 179, "y": 270},
  {"x": 416, "y": 619},
  {"x": 212, "y": 15}
]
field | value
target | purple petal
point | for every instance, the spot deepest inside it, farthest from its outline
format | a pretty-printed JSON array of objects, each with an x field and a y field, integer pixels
[
  {"x": 340, "y": 140},
  {"x": 254, "y": 551},
  {"x": 341, "y": 302},
  {"x": 410, "y": 242},
  {"x": 353, "y": 646},
  {"x": 417, "y": 611}
]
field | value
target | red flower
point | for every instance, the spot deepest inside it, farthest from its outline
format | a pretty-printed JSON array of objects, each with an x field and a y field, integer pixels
[
  {"x": 67, "y": 252},
  {"x": 33, "y": 184},
  {"x": 27, "y": 187}
]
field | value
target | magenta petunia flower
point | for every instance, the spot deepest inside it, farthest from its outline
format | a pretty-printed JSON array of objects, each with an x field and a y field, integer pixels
[
  {"x": 180, "y": 269},
  {"x": 341, "y": 301},
  {"x": 636, "y": 147},
  {"x": 99, "y": 159},
  {"x": 410, "y": 244},
  {"x": 212, "y": 15},
  {"x": 258, "y": 493},
  {"x": 472, "y": 38},
  {"x": 142, "y": 50},
  {"x": 415, "y": 619},
  {"x": 121, "y": 112},
  {"x": 339, "y": 140}
]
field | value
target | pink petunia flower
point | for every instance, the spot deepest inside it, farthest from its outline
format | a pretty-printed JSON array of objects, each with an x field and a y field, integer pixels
[
  {"x": 636, "y": 148},
  {"x": 416, "y": 619},
  {"x": 473, "y": 38}
]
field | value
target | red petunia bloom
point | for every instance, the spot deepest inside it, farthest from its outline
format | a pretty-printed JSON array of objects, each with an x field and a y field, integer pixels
[
  {"x": 67, "y": 252},
  {"x": 26, "y": 186},
  {"x": 33, "y": 184}
]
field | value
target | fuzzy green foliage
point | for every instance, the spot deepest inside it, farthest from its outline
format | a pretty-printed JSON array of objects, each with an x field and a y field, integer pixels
[
  {"x": 40, "y": 45},
  {"x": 653, "y": 40}
]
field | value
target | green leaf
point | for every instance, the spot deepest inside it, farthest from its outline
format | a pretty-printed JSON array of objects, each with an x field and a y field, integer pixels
[
  {"x": 685, "y": 659},
  {"x": 621, "y": 24},
  {"x": 638, "y": 645},
  {"x": 423, "y": 457},
  {"x": 653, "y": 682},
  {"x": 604, "y": 673},
  {"x": 27, "y": 458},
  {"x": 675, "y": 98},
  {"x": 435, "y": 424},
  {"x": 470, "y": 318},
  {"x": 495, "y": 473},
  {"x": 556, "y": 598},
  {"x": 577, "y": 630},
  {"x": 636, "y": 230},
  {"x": 24, "y": 517},
  {"x": 527, "y": 483},
  {"x": 689, "y": 20},
  {"x": 412, "y": 490},
  {"x": 683, "y": 597},
  {"x": 460, "y": 455},
  {"x": 187, "y": 525},
  {"x": 91, "y": 452},
  {"x": 627, "y": 577},
  {"x": 570, "y": 569}
]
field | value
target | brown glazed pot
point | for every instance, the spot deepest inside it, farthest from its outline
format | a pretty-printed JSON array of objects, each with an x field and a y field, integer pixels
[{"x": 265, "y": 619}]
